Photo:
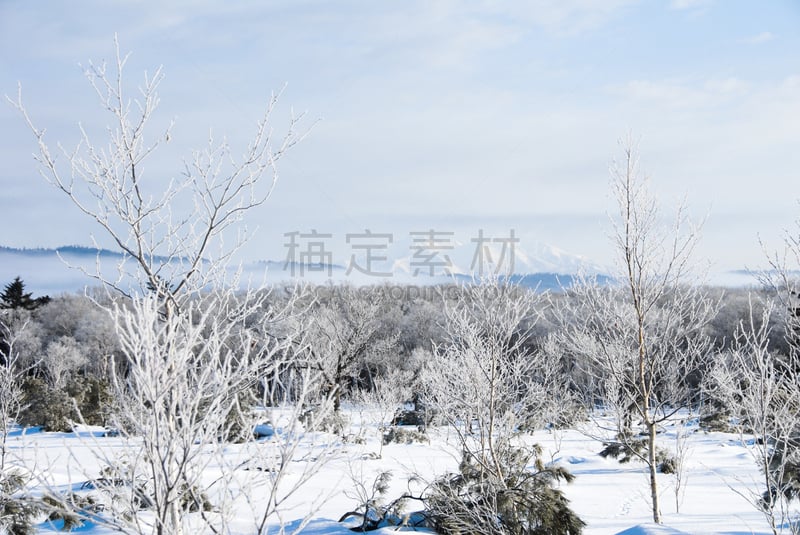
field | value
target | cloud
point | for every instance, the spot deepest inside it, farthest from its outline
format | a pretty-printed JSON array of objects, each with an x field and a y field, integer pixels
[
  {"x": 689, "y": 5},
  {"x": 762, "y": 37},
  {"x": 679, "y": 94},
  {"x": 432, "y": 109},
  {"x": 568, "y": 17},
  {"x": 730, "y": 142}
]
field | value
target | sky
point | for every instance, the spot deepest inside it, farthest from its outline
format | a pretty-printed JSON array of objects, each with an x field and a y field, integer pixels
[{"x": 456, "y": 116}]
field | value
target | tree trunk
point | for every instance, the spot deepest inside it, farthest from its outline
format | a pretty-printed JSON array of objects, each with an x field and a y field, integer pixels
[{"x": 653, "y": 466}]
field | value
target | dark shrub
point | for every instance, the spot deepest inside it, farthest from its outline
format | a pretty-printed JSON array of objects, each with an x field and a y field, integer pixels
[
  {"x": 93, "y": 398},
  {"x": 44, "y": 406},
  {"x": 17, "y": 512},
  {"x": 518, "y": 500}
]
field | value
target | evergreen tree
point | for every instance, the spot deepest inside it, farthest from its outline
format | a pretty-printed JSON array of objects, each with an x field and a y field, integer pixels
[{"x": 14, "y": 297}]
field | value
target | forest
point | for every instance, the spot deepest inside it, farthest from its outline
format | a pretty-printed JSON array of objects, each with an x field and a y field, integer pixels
[{"x": 491, "y": 360}]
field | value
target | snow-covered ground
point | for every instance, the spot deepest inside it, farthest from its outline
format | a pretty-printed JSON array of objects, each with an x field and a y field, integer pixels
[{"x": 610, "y": 497}]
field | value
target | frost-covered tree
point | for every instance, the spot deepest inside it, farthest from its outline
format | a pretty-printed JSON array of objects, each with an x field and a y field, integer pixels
[
  {"x": 61, "y": 358},
  {"x": 486, "y": 381},
  {"x": 11, "y": 395},
  {"x": 759, "y": 377},
  {"x": 17, "y": 509},
  {"x": 761, "y": 387},
  {"x": 190, "y": 384},
  {"x": 384, "y": 399},
  {"x": 642, "y": 339},
  {"x": 177, "y": 235},
  {"x": 481, "y": 377},
  {"x": 188, "y": 358},
  {"x": 83, "y": 319},
  {"x": 346, "y": 335},
  {"x": 16, "y": 306}
]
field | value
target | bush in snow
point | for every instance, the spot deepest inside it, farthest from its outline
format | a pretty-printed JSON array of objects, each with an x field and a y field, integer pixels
[
  {"x": 44, "y": 406},
  {"x": 66, "y": 508},
  {"x": 403, "y": 435},
  {"x": 629, "y": 448},
  {"x": 374, "y": 512},
  {"x": 93, "y": 399},
  {"x": 17, "y": 512},
  {"x": 415, "y": 412},
  {"x": 508, "y": 499},
  {"x": 84, "y": 399},
  {"x": 716, "y": 416}
]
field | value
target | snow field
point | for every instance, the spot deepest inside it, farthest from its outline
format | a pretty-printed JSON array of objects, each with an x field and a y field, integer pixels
[{"x": 612, "y": 498}]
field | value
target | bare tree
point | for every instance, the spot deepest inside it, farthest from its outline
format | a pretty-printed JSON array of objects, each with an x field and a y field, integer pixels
[
  {"x": 279, "y": 468},
  {"x": 189, "y": 389},
  {"x": 760, "y": 379},
  {"x": 761, "y": 386},
  {"x": 11, "y": 395},
  {"x": 17, "y": 509},
  {"x": 191, "y": 349},
  {"x": 485, "y": 382},
  {"x": 680, "y": 474},
  {"x": 169, "y": 252},
  {"x": 346, "y": 334},
  {"x": 479, "y": 379},
  {"x": 643, "y": 339},
  {"x": 382, "y": 401},
  {"x": 556, "y": 373}
]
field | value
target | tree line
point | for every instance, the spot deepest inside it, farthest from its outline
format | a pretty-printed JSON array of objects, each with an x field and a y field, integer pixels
[{"x": 359, "y": 335}]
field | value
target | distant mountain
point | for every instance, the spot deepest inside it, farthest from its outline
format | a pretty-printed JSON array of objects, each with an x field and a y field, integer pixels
[
  {"x": 64, "y": 269},
  {"x": 47, "y": 271},
  {"x": 543, "y": 282},
  {"x": 546, "y": 268},
  {"x": 743, "y": 278},
  {"x": 544, "y": 258}
]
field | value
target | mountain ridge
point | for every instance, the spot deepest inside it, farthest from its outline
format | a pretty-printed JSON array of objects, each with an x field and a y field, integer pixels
[{"x": 45, "y": 270}]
